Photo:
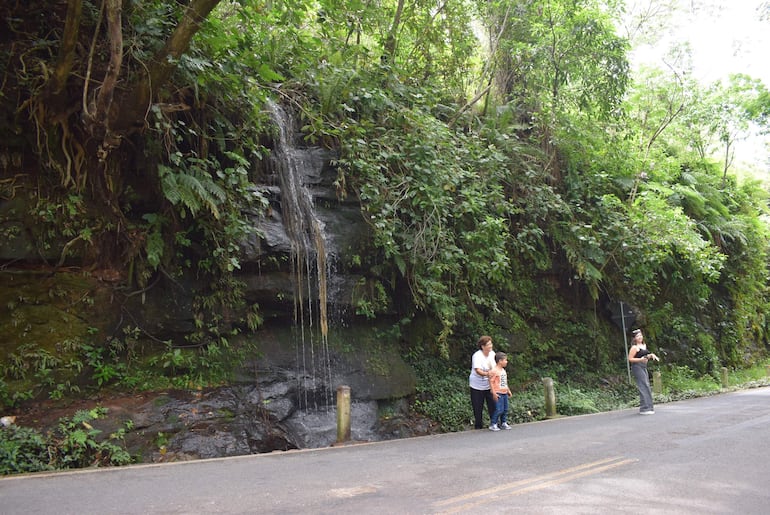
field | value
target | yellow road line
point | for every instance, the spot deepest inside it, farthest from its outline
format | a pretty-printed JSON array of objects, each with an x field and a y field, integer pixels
[{"x": 527, "y": 485}]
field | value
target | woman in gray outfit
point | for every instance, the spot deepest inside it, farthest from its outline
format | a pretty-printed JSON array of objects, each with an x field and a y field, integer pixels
[{"x": 638, "y": 356}]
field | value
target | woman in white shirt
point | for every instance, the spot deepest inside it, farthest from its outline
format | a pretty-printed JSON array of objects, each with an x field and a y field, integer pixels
[{"x": 482, "y": 362}]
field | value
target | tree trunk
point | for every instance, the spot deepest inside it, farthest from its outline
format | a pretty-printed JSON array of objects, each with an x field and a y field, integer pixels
[
  {"x": 67, "y": 50},
  {"x": 390, "y": 42},
  {"x": 132, "y": 112},
  {"x": 100, "y": 126}
]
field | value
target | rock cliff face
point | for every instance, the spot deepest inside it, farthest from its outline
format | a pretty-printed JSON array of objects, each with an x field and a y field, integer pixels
[
  {"x": 271, "y": 254},
  {"x": 302, "y": 268},
  {"x": 306, "y": 250}
]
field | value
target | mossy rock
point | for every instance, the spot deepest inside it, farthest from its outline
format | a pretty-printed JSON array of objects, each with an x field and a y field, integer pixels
[
  {"x": 43, "y": 309},
  {"x": 46, "y": 319}
]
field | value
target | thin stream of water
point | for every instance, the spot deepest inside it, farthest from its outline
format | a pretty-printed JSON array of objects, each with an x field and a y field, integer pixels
[{"x": 308, "y": 242}]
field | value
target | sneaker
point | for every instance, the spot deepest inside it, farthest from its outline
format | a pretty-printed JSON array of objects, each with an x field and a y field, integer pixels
[
  {"x": 494, "y": 427},
  {"x": 651, "y": 412},
  {"x": 506, "y": 426}
]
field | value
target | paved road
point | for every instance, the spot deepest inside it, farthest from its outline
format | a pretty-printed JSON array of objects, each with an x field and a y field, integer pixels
[{"x": 703, "y": 456}]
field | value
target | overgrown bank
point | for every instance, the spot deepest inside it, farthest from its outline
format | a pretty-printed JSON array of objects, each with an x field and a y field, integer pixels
[{"x": 76, "y": 441}]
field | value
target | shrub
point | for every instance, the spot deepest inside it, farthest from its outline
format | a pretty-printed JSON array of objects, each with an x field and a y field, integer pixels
[
  {"x": 679, "y": 380},
  {"x": 22, "y": 450},
  {"x": 74, "y": 443},
  {"x": 443, "y": 395}
]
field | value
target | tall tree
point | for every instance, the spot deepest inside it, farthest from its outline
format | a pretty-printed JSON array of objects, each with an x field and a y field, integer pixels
[{"x": 558, "y": 57}]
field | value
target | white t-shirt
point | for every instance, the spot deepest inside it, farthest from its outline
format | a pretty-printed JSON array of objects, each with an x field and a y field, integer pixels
[{"x": 485, "y": 363}]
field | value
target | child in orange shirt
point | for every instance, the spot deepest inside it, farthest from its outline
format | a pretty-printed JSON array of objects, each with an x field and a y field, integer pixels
[{"x": 498, "y": 382}]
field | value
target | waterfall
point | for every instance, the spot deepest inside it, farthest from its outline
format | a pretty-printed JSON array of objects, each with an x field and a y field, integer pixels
[{"x": 308, "y": 261}]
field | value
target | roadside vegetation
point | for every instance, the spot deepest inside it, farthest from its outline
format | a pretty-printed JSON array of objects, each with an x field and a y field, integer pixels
[
  {"x": 73, "y": 443},
  {"x": 443, "y": 394}
]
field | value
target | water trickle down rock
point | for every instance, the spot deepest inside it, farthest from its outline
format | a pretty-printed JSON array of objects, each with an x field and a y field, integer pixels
[{"x": 308, "y": 264}]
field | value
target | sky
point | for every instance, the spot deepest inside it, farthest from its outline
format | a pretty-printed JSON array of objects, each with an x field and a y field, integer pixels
[
  {"x": 727, "y": 36},
  {"x": 729, "y": 39}
]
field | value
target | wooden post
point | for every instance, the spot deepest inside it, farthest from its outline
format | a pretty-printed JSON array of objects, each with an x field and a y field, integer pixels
[
  {"x": 725, "y": 380},
  {"x": 657, "y": 384},
  {"x": 343, "y": 414},
  {"x": 550, "y": 398}
]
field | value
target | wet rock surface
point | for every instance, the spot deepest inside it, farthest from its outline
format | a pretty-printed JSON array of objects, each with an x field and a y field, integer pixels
[
  {"x": 179, "y": 425},
  {"x": 275, "y": 404}
]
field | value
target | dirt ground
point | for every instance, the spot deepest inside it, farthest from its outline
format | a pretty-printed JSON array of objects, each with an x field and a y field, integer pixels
[{"x": 45, "y": 414}]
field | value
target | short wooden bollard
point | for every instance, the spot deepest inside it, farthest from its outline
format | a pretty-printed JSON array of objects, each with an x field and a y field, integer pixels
[
  {"x": 725, "y": 380},
  {"x": 343, "y": 414},
  {"x": 767, "y": 369},
  {"x": 550, "y": 398},
  {"x": 657, "y": 384}
]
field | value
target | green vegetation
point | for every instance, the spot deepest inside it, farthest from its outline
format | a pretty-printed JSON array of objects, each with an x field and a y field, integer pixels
[
  {"x": 31, "y": 372},
  {"x": 442, "y": 394},
  {"x": 74, "y": 443}
]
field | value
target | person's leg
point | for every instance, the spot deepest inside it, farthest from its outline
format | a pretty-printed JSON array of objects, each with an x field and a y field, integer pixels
[
  {"x": 498, "y": 417},
  {"x": 647, "y": 393},
  {"x": 477, "y": 402},
  {"x": 491, "y": 404},
  {"x": 643, "y": 385},
  {"x": 502, "y": 407}
]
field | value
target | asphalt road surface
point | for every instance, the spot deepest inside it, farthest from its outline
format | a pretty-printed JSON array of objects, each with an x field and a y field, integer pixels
[{"x": 702, "y": 456}]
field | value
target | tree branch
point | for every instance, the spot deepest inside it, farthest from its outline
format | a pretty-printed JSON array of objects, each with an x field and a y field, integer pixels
[
  {"x": 390, "y": 42},
  {"x": 469, "y": 104}
]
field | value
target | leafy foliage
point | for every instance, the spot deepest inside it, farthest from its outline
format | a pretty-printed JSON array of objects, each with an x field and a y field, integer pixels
[
  {"x": 23, "y": 449},
  {"x": 74, "y": 443},
  {"x": 123, "y": 363}
]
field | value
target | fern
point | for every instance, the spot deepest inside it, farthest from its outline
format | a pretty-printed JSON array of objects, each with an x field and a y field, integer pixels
[
  {"x": 155, "y": 248},
  {"x": 192, "y": 192}
]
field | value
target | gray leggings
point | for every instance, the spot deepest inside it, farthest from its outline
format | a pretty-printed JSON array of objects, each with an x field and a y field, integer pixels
[{"x": 643, "y": 384}]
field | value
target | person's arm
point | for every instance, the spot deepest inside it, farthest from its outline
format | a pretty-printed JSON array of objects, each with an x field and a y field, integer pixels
[
  {"x": 632, "y": 355},
  {"x": 494, "y": 383},
  {"x": 479, "y": 366}
]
